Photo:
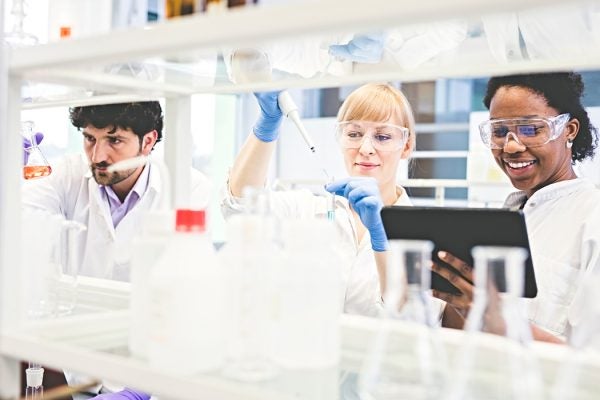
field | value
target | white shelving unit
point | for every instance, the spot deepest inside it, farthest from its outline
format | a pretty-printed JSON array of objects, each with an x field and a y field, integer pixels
[{"x": 95, "y": 342}]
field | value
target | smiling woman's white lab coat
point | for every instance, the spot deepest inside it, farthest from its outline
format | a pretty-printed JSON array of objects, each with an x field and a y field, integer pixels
[{"x": 72, "y": 192}]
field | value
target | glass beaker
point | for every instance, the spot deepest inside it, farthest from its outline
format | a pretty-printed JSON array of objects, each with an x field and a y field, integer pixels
[
  {"x": 37, "y": 165},
  {"x": 498, "y": 366},
  {"x": 414, "y": 368}
]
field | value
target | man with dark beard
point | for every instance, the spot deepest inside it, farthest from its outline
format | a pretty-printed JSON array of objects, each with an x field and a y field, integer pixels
[{"x": 110, "y": 204}]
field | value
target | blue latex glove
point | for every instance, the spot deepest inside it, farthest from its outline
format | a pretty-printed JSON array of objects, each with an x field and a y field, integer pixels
[
  {"x": 267, "y": 126},
  {"x": 125, "y": 394},
  {"x": 362, "y": 48},
  {"x": 364, "y": 197},
  {"x": 27, "y": 144}
]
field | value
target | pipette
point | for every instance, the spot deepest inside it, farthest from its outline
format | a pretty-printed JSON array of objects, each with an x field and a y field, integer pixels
[{"x": 290, "y": 110}]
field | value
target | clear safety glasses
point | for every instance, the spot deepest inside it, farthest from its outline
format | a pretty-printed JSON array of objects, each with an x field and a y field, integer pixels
[
  {"x": 383, "y": 136},
  {"x": 530, "y": 132}
]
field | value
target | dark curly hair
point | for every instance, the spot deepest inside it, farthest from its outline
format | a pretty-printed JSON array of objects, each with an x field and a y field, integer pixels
[
  {"x": 562, "y": 91},
  {"x": 140, "y": 117}
]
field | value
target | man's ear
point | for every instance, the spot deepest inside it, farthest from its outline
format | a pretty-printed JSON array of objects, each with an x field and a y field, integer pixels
[{"x": 148, "y": 142}]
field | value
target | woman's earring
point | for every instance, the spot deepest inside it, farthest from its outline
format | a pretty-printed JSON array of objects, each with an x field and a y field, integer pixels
[{"x": 569, "y": 143}]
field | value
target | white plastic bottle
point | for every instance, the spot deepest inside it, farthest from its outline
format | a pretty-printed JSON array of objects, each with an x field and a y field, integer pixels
[
  {"x": 249, "y": 259},
  {"x": 309, "y": 293},
  {"x": 187, "y": 312},
  {"x": 147, "y": 248}
]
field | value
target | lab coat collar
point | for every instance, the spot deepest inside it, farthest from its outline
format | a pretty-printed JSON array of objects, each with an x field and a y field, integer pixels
[
  {"x": 101, "y": 206},
  {"x": 550, "y": 192}
]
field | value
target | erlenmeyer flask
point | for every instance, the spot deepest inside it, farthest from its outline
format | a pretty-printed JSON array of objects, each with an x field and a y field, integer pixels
[
  {"x": 498, "y": 366},
  {"x": 37, "y": 166},
  {"x": 396, "y": 368}
]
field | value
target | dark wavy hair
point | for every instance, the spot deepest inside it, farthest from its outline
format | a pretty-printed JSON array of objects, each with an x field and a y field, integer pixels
[
  {"x": 140, "y": 117},
  {"x": 562, "y": 91}
]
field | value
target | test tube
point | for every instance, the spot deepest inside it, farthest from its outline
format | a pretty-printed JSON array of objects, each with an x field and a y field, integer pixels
[{"x": 331, "y": 204}]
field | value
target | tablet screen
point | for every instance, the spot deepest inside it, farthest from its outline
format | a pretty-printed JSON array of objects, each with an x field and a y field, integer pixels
[{"x": 457, "y": 231}]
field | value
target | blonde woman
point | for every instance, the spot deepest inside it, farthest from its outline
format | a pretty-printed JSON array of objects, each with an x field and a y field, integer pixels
[{"x": 375, "y": 130}]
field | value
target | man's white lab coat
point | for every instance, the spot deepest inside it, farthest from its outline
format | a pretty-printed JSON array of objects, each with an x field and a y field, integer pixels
[{"x": 72, "y": 192}]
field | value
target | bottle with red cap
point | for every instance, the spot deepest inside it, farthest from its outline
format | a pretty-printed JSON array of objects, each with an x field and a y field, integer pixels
[{"x": 186, "y": 325}]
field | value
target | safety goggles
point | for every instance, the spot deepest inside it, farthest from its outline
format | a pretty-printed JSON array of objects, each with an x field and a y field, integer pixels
[
  {"x": 530, "y": 132},
  {"x": 383, "y": 136}
]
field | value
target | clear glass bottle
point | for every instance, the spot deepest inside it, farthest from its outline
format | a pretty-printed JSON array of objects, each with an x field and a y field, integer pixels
[
  {"x": 405, "y": 369},
  {"x": 37, "y": 166},
  {"x": 497, "y": 366}
]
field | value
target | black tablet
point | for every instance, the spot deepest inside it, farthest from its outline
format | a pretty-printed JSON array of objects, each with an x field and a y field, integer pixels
[{"x": 458, "y": 230}]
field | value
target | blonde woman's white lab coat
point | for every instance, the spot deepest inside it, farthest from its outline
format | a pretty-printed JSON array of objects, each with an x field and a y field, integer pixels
[
  {"x": 72, "y": 192},
  {"x": 361, "y": 294}
]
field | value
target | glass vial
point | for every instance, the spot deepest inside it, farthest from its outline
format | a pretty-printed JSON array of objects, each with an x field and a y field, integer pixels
[
  {"x": 34, "y": 376},
  {"x": 37, "y": 165},
  {"x": 498, "y": 366},
  {"x": 411, "y": 367}
]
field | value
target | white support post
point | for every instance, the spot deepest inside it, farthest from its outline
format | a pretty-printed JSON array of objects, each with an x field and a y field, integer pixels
[
  {"x": 178, "y": 147},
  {"x": 11, "y": 153}
]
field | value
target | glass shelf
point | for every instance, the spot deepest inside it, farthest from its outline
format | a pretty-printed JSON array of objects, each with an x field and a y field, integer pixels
[{"x": 222, "y": 53}]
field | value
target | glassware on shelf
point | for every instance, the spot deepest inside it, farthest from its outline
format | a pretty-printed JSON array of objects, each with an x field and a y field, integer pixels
[
  {"x": 50, "y": 271},
  {"x": 498, "y": 366},
  {"x": 396, "y": 368},
  {"x": 37, "y": 166},
  {"x": 17, "y": 37}
]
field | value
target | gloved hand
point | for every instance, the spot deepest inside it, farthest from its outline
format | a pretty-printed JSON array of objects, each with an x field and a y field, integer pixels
[
  {"x": 362, "y": 48},
  {"x": 267, "y": 126},
  {"x": 125, "y": 394},
  {"x": 27, "y": 144},
  {"x": 364, "y": 197}
]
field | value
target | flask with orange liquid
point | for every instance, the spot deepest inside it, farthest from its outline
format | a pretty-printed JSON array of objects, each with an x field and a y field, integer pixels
[{"x": 36, "y": 166}]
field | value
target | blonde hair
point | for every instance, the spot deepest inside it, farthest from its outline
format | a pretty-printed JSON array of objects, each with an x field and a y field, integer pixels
[{"x": 378, "y": 102}]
